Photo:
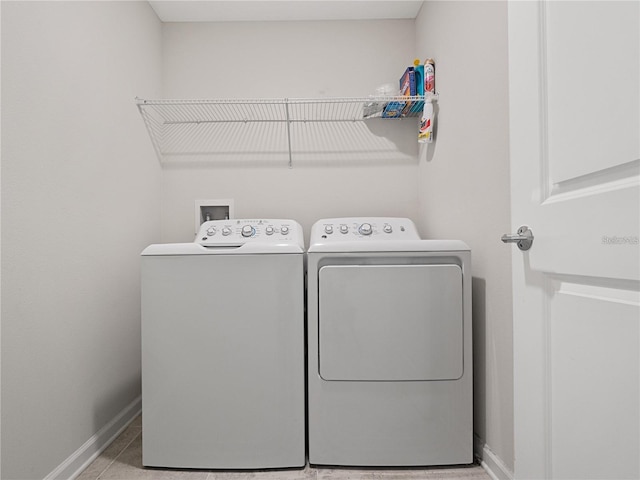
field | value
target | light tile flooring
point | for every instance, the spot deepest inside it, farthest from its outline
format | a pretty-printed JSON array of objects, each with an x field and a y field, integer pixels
[{"x": 122, "y": 460}]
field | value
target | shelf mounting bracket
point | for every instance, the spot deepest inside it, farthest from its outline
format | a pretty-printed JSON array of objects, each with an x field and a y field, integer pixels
[{"x": 286, "y": 107}]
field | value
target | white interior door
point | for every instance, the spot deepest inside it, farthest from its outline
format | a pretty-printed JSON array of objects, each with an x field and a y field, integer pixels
[{"x": 575, "y": 157}]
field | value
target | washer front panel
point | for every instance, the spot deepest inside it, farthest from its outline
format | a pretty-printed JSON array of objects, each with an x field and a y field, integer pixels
[
  {"x": 223, "y": 382},
  {"x": 390, "y": 322}
]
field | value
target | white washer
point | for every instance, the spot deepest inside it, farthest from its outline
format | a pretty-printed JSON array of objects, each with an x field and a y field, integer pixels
[
  {"x": 389, "y": 341},
  {"x": 223, "y": 348}
]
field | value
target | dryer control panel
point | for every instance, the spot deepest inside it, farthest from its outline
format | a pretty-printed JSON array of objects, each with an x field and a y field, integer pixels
[
  {"x": 241, "y": 231},
  {"x": 363, "y": 229}
]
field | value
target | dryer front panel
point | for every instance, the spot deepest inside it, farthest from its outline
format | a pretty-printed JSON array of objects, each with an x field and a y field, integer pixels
[{"x": 390, "y": 322}]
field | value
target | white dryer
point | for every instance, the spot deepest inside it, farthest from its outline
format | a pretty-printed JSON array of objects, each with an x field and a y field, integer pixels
[
  {"x": 389, "y": 345},
  {"x": 223, "y": 381}
]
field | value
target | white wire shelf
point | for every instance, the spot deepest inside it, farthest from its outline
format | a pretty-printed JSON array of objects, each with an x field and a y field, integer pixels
[{"x": 228, "y": 127}]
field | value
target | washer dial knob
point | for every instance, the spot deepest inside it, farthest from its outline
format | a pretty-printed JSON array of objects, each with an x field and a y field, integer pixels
[
  {"x": 387, "y": 228},
  {"x": 269, "y": 230},
  {"x": 328, "y": 229},
  {"x": 211, "y": 231},
  {"x": 284, "y": 230},
  {"x": 247, "y": 231},
  {"x": 226, "y": 231},
  {"x": 365, "y": 229},
  {"x": 344, "y": 229}
]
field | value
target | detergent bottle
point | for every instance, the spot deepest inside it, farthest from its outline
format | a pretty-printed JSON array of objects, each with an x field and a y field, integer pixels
[{"x": 425, "y": 133}]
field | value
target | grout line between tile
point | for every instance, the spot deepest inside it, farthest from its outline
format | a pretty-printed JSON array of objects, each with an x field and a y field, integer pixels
[{"x": 119, "y": 453}]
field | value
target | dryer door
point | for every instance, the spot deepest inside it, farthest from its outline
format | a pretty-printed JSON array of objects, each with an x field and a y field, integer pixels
[{"x": 390, "y": 322}]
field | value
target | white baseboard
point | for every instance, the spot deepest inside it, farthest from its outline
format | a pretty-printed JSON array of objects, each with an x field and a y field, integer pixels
[
  {"x": 491, "y": 463},
  {"x": 87, "y": 453}
]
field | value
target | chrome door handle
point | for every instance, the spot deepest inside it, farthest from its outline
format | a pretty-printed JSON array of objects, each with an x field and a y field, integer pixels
[{"x": 524, "y": 238}]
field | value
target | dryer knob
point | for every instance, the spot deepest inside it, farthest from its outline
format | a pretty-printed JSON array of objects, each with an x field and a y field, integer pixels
[
  {"x": 247, "y": 231},
  {"x": 365, "y": 229},
  {"x": 211, "y": 231},
  {"x": 226, "y": 231},
  {"x": 387, "y": 228},
  {"x": 284, "y": 230},
  {"x": 328, "y": 229}
]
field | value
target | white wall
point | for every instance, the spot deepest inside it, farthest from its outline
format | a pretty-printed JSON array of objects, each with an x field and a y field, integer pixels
[
  {"x": 80, "y": 200},
  {"x": 464, "y": 188},
  {"x": 290, "y": 59}
]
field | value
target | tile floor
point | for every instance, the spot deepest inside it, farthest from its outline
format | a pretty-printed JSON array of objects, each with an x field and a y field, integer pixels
[{"x": 122, "y": 460}]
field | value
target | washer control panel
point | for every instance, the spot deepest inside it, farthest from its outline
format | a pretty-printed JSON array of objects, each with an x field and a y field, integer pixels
[
  {"x": 363, "y": 228},
  {"x": 241, "y": 231}
]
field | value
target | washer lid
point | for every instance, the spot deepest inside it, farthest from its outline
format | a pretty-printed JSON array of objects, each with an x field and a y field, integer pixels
[
  {"x": 242, "y": 236},
  {"x": 196, "y": 249}
]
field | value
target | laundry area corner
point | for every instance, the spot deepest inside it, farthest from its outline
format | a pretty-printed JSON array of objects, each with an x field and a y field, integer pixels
[{"x": 85, "y": 190}]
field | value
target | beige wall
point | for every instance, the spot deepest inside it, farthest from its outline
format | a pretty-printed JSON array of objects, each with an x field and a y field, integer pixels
[
  {"x": 464, "y": 188},
  {"x": 80, "y": 200},
  {"x": 291, "y": 59}
]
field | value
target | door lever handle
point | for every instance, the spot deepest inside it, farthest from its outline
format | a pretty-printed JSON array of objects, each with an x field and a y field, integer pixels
[{"x": 524, "y": 238}]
